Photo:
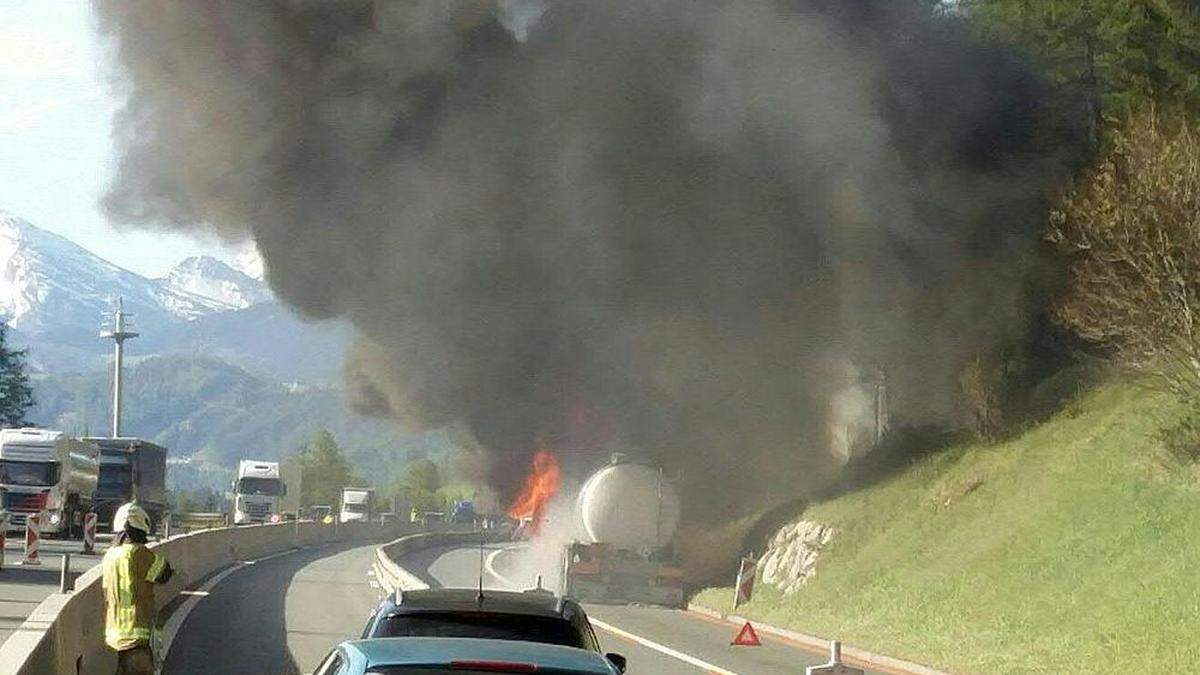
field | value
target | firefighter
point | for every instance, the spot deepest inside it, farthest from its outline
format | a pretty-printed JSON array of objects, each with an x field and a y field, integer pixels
[{"x": 130, "y": 572}]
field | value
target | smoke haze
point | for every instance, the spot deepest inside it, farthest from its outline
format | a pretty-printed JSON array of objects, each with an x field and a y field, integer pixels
[{"x": 683, "y": 226}]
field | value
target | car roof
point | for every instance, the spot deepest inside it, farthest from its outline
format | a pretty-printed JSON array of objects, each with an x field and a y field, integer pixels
[
  {"x": 430, "y": 651},
  {"x": 467, "y": 600}
]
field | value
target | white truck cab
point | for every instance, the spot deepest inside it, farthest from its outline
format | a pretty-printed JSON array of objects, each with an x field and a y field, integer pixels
[
  {"x": 258, "y": 492},
  {"x": 357, "y": 504}
]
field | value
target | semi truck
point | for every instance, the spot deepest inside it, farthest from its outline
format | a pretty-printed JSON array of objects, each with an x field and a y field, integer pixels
[
  {"x": 43, "y": 470},
  {"x": 130, "y": 469},
  {"x": 258, "y": 492},
  {"x": 357, "y": 504},
  {"x": 627, "y": 512}
]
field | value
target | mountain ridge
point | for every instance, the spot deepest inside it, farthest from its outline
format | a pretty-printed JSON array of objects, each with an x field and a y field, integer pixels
[{"x": 56, "y": 297}]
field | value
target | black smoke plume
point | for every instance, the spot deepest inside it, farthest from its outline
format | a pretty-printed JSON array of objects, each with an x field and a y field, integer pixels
[{"x": 692, "y": 227}]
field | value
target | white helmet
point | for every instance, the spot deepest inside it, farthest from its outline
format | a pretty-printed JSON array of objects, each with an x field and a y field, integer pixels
[{"x": 132, "y": 515}]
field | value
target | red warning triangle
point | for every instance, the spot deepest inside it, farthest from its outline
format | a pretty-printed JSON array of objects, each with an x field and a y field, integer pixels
[{"x": 746, "y": 637}]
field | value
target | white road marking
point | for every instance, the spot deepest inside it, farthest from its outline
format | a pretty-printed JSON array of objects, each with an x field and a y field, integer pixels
[
  {"x": 490, "y": 565},
  {"x": 675, "y": 654},
  {"x": 175, "y": 622}
]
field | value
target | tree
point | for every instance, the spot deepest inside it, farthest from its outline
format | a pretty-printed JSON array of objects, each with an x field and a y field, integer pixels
[
  {"x": 16, "y": 396},
  {"x": 1118, "y": 55},
  {"x": 419, "y": 484},
  {"x": 1131, "y": 231},
  {"x": 324, "y": 471}
]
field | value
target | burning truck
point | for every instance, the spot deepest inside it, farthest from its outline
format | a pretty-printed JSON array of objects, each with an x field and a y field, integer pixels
[{"x": 628, "y": 512}]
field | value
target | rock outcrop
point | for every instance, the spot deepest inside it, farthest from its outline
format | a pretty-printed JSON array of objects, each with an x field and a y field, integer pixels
[{"x": 791, "y": 558}]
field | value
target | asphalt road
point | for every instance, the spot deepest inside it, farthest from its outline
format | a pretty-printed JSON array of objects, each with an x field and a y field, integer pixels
[
  {"x": 279, "y": 615},
  {"x": 284, "y": 613},
  {"x": 655, "y": 640},
  {"x": 22, "y": 588}
]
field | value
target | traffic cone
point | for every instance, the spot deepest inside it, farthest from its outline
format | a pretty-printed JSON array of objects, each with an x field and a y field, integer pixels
[
  {"x": 746, "y": 637},
  {"x": 89, "y": 533},
  {"x": 33, "y": 538}
]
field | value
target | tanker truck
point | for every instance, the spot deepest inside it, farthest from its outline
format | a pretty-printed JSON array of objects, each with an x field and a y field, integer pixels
[
  {"x": 628, "y": 512},
  {"x": 45, "y": 471}
]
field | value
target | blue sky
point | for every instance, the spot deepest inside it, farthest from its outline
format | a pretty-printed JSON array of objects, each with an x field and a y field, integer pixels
[{"x": 56, "y": 154}]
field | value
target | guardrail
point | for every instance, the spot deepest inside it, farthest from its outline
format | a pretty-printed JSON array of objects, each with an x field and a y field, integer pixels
[{"x": 65, "y": 633}]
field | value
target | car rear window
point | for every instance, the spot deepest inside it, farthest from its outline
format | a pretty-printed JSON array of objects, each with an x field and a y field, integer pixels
[
  {"x": 471, "y": 670},
  {"x": 494, "y": 625}
]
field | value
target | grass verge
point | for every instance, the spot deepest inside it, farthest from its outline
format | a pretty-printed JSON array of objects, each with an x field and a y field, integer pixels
[{"x": 1074, "y": 547}]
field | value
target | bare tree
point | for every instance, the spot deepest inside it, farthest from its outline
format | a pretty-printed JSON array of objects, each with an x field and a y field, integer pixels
[{"x": 1132, "y": 231}]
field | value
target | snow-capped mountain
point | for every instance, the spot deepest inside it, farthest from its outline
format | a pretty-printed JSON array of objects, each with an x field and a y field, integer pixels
[
  {"x": 56, "y": 296},
  {"x": 221, "y": 286},
  {"x": 45, "y": 278}
]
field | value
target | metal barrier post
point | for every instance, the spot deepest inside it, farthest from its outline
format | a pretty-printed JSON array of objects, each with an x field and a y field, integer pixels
[
  {"x": 3, "y": 535},
  {"x": 835, "y": 665},
  {"x": 66, "y": 581}
]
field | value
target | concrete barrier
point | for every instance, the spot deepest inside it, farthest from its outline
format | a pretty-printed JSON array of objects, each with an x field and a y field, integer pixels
[
  {"x": 65, "y": 633},
  {"x": 393, "y": 577}
]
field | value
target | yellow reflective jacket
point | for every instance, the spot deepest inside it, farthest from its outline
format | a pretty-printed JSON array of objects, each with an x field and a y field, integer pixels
[{"x": 130, "y": 572}]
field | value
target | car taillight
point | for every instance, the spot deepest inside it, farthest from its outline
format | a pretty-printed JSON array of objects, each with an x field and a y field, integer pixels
[{"x": 494, "y": 666}]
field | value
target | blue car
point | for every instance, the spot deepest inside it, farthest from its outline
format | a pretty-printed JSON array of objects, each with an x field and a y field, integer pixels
[{"x": 421, "y": 655}]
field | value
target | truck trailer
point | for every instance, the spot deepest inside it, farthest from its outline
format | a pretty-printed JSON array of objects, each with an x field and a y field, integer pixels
[
  {"x": 130, "y": 469},
  {"x": 258, "y": 492},
  {"x": 629, "y": 512},
  {"x": 42, "y": 470}
]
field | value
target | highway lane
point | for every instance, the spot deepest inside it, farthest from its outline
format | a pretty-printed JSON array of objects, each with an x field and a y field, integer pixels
[
  {"x": 279, "y": 615},
  {"x": 682, "y": 642},
  {"x": 23, "y": 588}
]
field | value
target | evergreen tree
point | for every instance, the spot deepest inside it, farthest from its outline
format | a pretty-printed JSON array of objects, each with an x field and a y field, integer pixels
[
  {"x": 16, "y": 396},
  {"x": 324, "y": 471},
  {"x": 1117, "y": 55}
]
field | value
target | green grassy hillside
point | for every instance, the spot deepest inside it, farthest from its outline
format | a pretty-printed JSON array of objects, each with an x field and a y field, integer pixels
[{"x": 1074, "y": 547}]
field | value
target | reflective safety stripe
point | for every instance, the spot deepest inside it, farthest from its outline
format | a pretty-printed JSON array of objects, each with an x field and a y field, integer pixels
[
  {"x": 156, "y": 569},
  {"x": 131, "y": 633}
]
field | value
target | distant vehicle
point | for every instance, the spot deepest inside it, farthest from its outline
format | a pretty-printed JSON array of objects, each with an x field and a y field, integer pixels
[
  {"x": 387, "y": 517},
  {"x": 290, "y": 472},
  {"x": 534, "y": 615},
  {"x": 320, "y": 512},
  {"x": 45, "y": 470},
  {"x": 130, "y": 468},
  {"x": 629, "y": 513},
  {"x": 401, "y": 656},
  {"x": 357, "y": 504},
  {"x": 258, "y": 492},
  {"x": 464, "y": 512}
]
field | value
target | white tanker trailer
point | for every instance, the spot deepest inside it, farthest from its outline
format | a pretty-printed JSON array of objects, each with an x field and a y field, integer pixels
[{"x": 629, "y": 513}]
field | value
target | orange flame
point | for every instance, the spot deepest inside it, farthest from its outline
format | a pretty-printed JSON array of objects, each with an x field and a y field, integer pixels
[{"x": 540, "y": 486}]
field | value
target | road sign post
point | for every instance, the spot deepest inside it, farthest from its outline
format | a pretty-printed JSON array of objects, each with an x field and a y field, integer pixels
[
  {"x": 835, "y": 665},
  {"x": 744, "y": 587},
  {"x": 33, "y": 538}
]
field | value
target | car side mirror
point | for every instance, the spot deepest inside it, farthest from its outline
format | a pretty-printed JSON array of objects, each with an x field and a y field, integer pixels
[{"x": 617, "y": 660}]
